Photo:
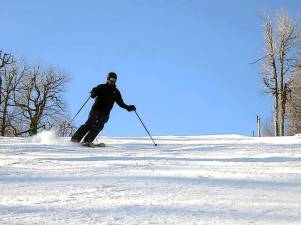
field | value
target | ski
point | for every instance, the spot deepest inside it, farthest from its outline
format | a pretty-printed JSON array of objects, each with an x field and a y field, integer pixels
[{"x": 91, "y": 145}]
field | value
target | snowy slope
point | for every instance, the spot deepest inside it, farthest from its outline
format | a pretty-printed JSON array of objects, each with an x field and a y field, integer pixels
[{"x": 228, "y": 179}]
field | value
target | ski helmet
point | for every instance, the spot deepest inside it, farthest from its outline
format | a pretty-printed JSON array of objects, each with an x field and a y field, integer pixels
[{"x": 112, "y": 75}]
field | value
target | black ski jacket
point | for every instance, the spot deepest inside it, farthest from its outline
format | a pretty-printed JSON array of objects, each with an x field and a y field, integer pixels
[{"x": 106, "y": 95}]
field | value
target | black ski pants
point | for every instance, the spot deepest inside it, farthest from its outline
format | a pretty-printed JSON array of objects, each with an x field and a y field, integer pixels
[{"x": 91, "y": 128}]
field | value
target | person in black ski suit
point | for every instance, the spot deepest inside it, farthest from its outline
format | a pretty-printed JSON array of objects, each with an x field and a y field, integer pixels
[{"x": 105, "y": 96}]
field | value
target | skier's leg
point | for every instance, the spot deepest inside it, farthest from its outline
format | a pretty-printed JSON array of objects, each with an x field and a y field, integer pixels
[
  {"x": 96, "y": 128},
  {"x": 80, "y": 133},
  {"x": 83, "y": 130}
]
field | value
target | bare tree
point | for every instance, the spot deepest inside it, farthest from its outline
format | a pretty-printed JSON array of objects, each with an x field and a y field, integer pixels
[
  {"x": 294, "y": 104},
  {"x": 9, "y": 74},
  {"x": 5, "y": 59},
  {"x": 269, "y": 69},
  {"x": 31, "y": 98},
  {"x": 15, "y": 119},
  {"x": 65, "y": 130},
  {"x": 282, "y": 45},
  {"x": 289, "y": 41},
  {"x": 40, "y": 98},
  {"x": 63, "y": 127}
]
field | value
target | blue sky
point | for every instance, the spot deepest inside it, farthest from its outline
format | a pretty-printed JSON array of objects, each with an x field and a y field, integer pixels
[{"x": 185, "y": 64}]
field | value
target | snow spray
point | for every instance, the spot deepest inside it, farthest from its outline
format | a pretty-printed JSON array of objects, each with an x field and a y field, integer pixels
[{"x": 49, "y": 137}]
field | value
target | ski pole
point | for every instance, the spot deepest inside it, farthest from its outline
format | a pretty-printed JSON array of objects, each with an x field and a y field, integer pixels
[
  {"x": 145, "y": 128},
  {"x": 79, "y": 110}
]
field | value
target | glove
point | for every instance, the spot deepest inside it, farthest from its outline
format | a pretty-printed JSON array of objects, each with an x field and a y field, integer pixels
[
  {"x": 131, "y": 108},
  {"x": 93, "y": 93}
]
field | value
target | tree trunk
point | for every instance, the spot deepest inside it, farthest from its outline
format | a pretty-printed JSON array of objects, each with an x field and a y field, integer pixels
[
  {"x": 0, "y": 89},
  {"x": 33, "y": 127},
  {"x": 282, "y": 118},
  {"x": 282, "y": 94},
  {"x": 276, "y": 115},
  {"x": 282, "y": 108},
  {"x": 4, "y": 117},
  {"x": 276, "y": 94}
]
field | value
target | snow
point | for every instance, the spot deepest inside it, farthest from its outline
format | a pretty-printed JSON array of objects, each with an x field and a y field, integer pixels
[{"x": 206, "y": 180}]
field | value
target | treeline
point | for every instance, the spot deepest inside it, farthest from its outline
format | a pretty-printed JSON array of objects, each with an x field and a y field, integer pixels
[
  {"x": 32, "y": 98},
  {"x": 281, "y": 72}
]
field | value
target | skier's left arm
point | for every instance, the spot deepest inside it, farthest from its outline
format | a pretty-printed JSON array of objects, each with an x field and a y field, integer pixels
[{"x": 121, "y": 103}]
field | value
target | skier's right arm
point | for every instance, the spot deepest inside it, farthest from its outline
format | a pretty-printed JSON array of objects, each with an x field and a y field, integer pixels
[{"x": 95, "y": 91}]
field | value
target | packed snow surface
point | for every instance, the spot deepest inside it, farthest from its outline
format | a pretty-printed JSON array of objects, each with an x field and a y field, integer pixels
[{"x": 223, "y": 179}]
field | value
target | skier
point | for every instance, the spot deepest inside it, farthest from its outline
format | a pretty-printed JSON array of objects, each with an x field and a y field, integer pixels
[{"x": 105, "y": 96}]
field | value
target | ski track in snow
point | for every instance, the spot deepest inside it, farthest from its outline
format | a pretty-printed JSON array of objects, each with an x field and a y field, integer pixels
[{"x": 206, "y": 180}]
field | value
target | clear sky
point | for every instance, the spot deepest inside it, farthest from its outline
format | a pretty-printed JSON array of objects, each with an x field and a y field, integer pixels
[{"x": 185, "y": 64}]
